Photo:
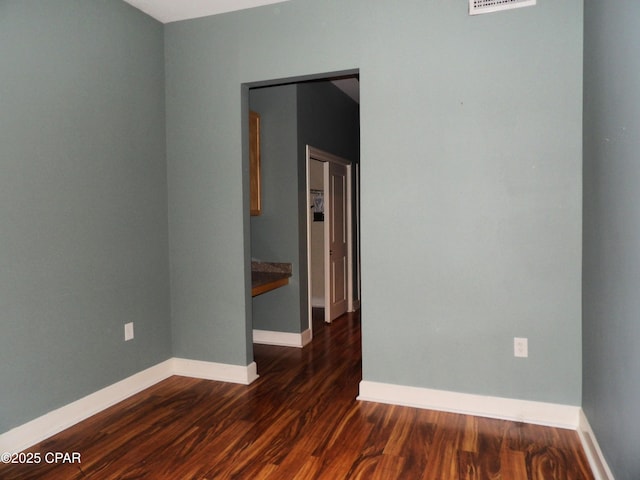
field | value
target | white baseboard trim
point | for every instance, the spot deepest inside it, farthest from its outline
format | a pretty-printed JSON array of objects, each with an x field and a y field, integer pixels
[
  {"x": 282, "y": 339},
  {"x": 317, "y": 302},
  {"x": 540, "y": 413},
  {"x": 37, "y": 430},
  {"x": 599, "y": 466},
  {"x": 47, "y": 425},
  {"x": 221, "y": 372}
]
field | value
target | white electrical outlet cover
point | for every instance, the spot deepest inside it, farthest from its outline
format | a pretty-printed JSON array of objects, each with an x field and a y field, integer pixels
[{"x": 520, "y": 347}]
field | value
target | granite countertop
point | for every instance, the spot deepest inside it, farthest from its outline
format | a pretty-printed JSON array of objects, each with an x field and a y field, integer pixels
[{"x": 266, "y": 276}]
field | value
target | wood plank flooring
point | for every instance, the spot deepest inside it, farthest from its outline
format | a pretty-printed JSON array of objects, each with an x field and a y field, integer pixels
[{"x": 300, "y": 420}]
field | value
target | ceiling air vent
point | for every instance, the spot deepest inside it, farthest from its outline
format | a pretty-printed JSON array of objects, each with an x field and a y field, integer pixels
[{"x": 476, "y": 7}]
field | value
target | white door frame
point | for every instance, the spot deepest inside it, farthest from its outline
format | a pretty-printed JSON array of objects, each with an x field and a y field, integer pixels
[{"x": 313, "y": 153}]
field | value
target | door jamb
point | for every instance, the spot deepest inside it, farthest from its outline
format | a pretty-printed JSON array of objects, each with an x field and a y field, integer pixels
[{"x": 313, "y": 153}]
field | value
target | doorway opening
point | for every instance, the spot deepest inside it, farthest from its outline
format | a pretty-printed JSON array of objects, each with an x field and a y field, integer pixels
[
  {"x": 332, "y": 235},
  {"x": 316, "y": 110}
]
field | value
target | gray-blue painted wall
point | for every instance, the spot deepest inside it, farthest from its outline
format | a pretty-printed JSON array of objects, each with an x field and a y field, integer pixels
[
  {"x": 83, "y": 196},
  {"x": 329, "y": 120},
  {"x": 274, "y": 234},
  {"x": 471, "y": 142},
  {"x": 611, "y": 368},
  {"x": 471, "y": 190}
]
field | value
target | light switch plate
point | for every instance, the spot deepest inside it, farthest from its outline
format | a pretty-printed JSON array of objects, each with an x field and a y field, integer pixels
[{"x": 128, "y": 331}]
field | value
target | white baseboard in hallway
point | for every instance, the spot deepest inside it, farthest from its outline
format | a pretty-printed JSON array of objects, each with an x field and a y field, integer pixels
[
  {"x": 282, "y": 339},
  {"x": 220, "y": 372}
]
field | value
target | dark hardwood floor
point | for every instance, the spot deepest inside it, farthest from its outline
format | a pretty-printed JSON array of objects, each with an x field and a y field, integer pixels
[{"x": 299, "y": 420}]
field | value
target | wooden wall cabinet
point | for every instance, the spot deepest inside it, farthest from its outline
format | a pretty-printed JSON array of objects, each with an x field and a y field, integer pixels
[{"x": 254, "y": 164}]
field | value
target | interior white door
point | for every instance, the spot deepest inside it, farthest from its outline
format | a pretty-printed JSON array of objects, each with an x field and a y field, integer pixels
[{"x": 336, "y": 230}]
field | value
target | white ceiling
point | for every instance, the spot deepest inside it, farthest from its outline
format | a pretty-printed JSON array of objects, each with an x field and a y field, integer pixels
[{"x": 167, "y": 11}]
